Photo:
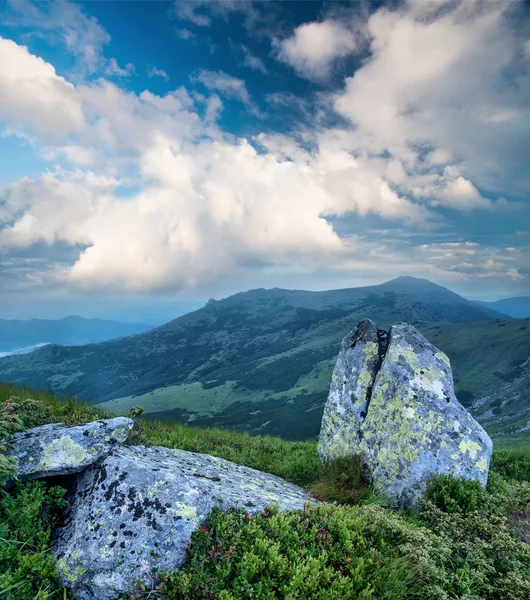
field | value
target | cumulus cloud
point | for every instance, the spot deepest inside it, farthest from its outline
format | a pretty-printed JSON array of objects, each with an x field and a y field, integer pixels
[
  {"x": 313, "y": 47},
  {"x": 417, "y": 91},
  {"x": 154, "y": 195},
  {"x": 32, "y": 94}
]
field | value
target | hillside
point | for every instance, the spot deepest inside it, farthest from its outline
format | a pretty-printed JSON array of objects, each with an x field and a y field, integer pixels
[
  {"x": 517, "y": 307},
  {"x": 262, "y": 360},
  {"x": 463, "y": 538},
  {"x": 70, "y": 331}
]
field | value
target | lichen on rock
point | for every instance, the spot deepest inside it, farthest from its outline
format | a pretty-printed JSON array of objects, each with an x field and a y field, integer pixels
[
  {"x": 137, "y": 509},
  {"x": 54, "y": 449},
  {"x": 413, "y": 426}
]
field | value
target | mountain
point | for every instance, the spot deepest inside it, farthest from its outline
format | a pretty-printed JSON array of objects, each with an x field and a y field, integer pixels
[
  {"x": 262, "y": 359},
  {"x": 19, "y": 337},
  {"x": 517, "y": 307}
]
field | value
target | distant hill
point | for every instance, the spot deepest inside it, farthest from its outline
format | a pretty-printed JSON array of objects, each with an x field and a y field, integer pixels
[
  {"x": 20, "y": 336},
  {"x": 517, "y": 307},
  {"x": 262, "y": 360}
]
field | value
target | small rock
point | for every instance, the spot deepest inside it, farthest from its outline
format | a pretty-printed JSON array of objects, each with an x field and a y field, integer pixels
[
  {"x": 54, "y": 449},
  {"x": 137, "y": 509},
  {"x": 411, "y": 425}
]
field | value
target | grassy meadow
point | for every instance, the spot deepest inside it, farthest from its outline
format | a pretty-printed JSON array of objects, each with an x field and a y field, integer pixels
[{"x": 462, "y": 542}]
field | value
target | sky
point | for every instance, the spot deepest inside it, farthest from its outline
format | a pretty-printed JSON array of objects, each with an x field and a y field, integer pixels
[{"x": 154, "y": 155}]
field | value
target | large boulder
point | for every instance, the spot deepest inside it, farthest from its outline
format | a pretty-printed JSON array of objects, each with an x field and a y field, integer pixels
[
  {"x": 54, "y": 449},
  {"x": 395, "y": 406},
  {"x": 137, "y": 509}
]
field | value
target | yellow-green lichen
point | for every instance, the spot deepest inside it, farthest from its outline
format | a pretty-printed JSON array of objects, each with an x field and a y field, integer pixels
[
  {"x": 469, "y": 446},
  {"x": 71, "y": 575},
  {"x": 186, "y": 512},
  {"x": 482, "y": 465},
  {"x": 62, "y": 451}
]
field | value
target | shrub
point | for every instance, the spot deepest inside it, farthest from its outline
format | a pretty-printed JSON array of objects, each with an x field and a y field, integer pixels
[
  {"x": 323, "y": 552},
  {"x": 27, "y": 570},
  {"x": 512, "y": 464},
  {"x": 455, "y": 494},
  {"x": 485, "y": 559}
]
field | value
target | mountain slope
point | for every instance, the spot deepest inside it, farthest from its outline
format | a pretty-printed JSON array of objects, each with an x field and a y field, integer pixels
[
  {"x": 16, "y": 334},
  {"x": 517, "y": 307},
  {"x": 259, "y": 360}
]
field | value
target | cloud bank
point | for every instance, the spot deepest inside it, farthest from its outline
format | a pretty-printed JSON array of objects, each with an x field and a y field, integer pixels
[{"x": 152, "y": 194}]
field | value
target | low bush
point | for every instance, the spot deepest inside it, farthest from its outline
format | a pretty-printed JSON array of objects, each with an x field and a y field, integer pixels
[
  {"x": 27, "y": 569},
  {"x": 455, "y": 494},
  {"x": 323, "y": 552},
  {"x": 464, "y": 542}
]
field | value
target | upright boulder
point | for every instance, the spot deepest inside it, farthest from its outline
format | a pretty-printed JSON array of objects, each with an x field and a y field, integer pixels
[
  {"x": 411, "y": 425},
  {"x": 137, "y": 510},
  {"x": 54, "y": 449}
]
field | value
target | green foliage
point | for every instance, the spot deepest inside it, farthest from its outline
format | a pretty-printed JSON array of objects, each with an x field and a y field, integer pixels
[
  {"x": 465, "y": 542},
  {"x": 484, "y": 559},
  {"x": 512, "y": 464},
  {"x": 323, "y": 552},
  {"x": 455, "y": 494},
  {"x": 27, "y": 570},
  {"x": 135, "y": 411}
]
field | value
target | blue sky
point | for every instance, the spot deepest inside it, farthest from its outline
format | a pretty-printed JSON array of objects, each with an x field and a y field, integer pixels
[{"x": 156, "y": 154}]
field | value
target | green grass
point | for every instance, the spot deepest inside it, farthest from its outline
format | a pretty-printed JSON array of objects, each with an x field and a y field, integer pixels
[{"x": 462, "y": 543}]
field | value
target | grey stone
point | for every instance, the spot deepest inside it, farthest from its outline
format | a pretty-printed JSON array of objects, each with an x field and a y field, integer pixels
[
  {"x": 413, "y": 426},
  {"x": 138, "y": 508},
  {"x": 54, "y": 449}
]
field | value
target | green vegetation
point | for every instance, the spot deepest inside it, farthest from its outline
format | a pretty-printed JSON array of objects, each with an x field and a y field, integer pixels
[
  {"x": 27, "y": 514},
  {"x": 261, "y": 361},
  {"x": 463, "y": 543}
]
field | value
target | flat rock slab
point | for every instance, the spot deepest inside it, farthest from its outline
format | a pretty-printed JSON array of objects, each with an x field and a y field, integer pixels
[
  {"x": 54, "y": 449},
  {"x": 400, "y": 414},
  {"x": 138, "y": 508}
]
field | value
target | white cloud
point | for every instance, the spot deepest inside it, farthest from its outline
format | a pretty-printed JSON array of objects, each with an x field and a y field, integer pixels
[
  {"x": 229, "y": 86},
  {"x": 113, "y": 69},
  {"x": 157, "y": 196},
  {"x": 252, "y": 61},
  {"x": 154, "y": 72},
  {"x": 184, "y": 34},
  {"x": 200, "y": 12},
  {"x": 418, "y": 91},
  {"x": 474, "y": 261},
  {"x": 32, "y": 94},
  {"x": 66, "y": 23},
  {"x": 313, "y": 47}
]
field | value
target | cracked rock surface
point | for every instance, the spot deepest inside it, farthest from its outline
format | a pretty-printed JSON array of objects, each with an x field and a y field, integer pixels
[
  {"x": 54, "y": 449},
  {"x": 392, "y": 402},
  {"x": 137, "y": 509}
]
